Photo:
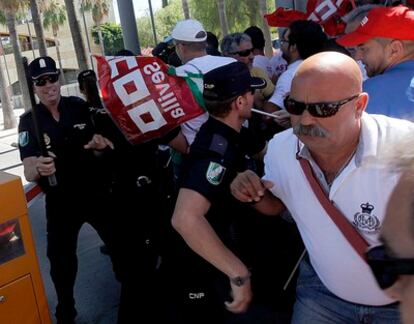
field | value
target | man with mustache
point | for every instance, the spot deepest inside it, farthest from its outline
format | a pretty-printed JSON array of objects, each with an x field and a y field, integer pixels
[{"x": 335, "y": 144}]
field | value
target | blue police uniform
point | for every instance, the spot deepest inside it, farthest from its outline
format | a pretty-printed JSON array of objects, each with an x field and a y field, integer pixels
[
  {"x": 80, "y": 195},
  {"x": 198, "y": 290},
  {"x": 140, "y": 216}
]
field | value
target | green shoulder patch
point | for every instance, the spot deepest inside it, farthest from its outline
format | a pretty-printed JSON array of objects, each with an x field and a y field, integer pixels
[
  {"x": 23, "y": 138},
  {"x": 215, "y": 173}
]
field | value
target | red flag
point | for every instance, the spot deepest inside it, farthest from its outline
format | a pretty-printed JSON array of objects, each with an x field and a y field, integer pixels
[
  {"x": 144, "y": 100},
  {"x": 283, "y": 17},
  {"x": 328, "y": 13}
]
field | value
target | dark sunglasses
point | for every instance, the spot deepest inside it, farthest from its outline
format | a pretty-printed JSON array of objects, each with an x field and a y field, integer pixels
[
  {"x": 317, "y": 109},
  {"x": 42, "y": 81},
  {"x": 243, "y": 53},
  {"x": 387, "y": 268}
]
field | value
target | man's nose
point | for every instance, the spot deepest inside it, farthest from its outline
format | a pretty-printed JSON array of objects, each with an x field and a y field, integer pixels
[{"x": 306, "y": 118}]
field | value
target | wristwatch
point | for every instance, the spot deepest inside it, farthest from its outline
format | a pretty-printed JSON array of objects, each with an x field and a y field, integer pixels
[{"x": 240, "y": 281}]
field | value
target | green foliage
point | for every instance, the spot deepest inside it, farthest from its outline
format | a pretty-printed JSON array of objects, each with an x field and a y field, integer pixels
[
  {"x": 240, "y": 14},
  {"x": 54, "y": 16},
  {"x": 165, "y": 20},
  {"x": 112, "y": 36}
]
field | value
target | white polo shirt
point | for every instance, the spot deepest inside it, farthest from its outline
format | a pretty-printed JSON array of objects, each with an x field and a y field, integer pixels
[
  {"x": 360, "y": 192},
  {"x": 284, "y": 83},
  {"x": 201, "y": 65}
]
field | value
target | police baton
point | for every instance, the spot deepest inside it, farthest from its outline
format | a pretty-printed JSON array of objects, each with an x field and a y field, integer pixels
[{"x": 40, "y": 139}]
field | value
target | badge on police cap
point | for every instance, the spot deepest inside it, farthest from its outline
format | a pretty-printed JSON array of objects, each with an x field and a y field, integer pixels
[{"x": 215, "y": 173}]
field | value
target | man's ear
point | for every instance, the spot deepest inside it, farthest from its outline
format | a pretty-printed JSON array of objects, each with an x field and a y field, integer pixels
[
  {"x": 361, "y": 103},
  {"x": 395, "y": 50}
]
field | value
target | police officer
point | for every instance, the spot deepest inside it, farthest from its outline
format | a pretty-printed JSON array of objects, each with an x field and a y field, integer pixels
[
  {"x": 78, "y": 197},
  {"x": 135, "y": 177},
  {"x": 204, "y": 208}
]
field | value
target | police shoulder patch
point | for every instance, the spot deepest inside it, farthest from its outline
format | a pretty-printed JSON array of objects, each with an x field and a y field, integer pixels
[
  {"x": 23, "y": 138},
  {"x": 215, "y": 173}
]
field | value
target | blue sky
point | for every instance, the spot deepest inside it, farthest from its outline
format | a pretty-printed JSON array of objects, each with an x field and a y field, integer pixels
[{"x": 140, "y": 7}]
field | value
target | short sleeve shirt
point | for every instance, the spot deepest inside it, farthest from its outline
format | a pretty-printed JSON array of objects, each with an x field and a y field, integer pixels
[
  {"x": 200, "y": 65},
  {"x": 215, "y": 157},
  {"x": 65, "y": 138},
  {"x": 392, "y": 93},
  {"x": 283, "y": 84}
]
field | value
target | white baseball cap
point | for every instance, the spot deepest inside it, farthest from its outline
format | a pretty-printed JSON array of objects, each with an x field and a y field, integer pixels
[{"x": 189, "y": 30}]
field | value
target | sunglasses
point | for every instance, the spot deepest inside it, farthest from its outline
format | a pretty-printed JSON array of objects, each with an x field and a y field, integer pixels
[
  {"x": 42, "y": 81},
  {"x": 318, "y": 109},
  {"x": 243, "y": 53},
  {"x": 387, "y": 268}
]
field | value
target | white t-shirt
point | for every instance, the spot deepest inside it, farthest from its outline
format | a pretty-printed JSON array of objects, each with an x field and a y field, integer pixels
[
  {"x": 263, "y": 63},
  {"x": 360, "y": 192},
  {"x": 284, "y": 83},
  {"x": 278, "y": 64},
  {"x": 201, "y": 65}
]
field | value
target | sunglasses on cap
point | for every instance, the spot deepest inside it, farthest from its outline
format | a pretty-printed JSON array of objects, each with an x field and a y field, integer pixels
[
  {"x": 52, "y": 78},
  {"x": 317, "y": 109},
  {"x": 387, "y": 268},
  {"x": 243, "y": 53}
]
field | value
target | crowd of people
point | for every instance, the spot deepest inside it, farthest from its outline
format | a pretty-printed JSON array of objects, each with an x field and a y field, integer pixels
[{"x": 328, "y": 158}]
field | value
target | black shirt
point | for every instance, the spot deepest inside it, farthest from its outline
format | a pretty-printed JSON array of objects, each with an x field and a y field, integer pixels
[
  {"x": 218, "y": 153},
  {"x": 76, "y": 167}
]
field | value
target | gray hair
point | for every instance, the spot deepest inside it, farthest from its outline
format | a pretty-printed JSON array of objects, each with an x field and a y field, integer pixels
[
  {"x": 231, "y": 42},
  {"x": 356, "y": 15}
]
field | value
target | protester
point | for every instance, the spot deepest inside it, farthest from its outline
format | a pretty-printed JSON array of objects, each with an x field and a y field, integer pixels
[
  {"x": 385, "y": 41},
  {"x": 260, "y": 60},
  {"x": 80, "y": 195},
  {"x": 239, "y": 46},
  {"x": 302, "y": 39},
  {"x": 393, "y": 262},
  {"x": 336, "y": 144},
  {"x": 212, "y": 45},
  {"x": 190, "y": 40},
  {"x": 353, "y": 20},
  {"x": 204, "y": 209}
]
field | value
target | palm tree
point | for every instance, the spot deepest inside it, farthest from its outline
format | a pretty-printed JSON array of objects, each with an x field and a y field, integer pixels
[
  {"x": 76, "y": 35},
  {"x": 53, "y": 17},
  {"x": 265, "y": 28},
  {"x": 34, "y": 8},
  {"x": 10, "y": 8},
  {"x": 223, "y": 17},
  {"x": 9, "y": 118},
  {"x": 99, "y": 9},
  {"x": 186, "y": 9}
]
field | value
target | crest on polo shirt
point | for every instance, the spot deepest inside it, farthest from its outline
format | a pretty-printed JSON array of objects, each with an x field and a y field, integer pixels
[
  {"x": 23, "y": 138},
  {"x": 215, "y": 173},
  {"x": 365, "y": 221}
]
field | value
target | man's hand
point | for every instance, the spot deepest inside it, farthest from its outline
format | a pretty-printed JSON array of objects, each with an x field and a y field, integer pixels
[
  {"x": 242, "y": 296},
  {"x": 45, "y": 166},
  {"x": 98, "y": 142},
  {"x": 282, "y": 117},
  {"x": 248, "y": 187}
]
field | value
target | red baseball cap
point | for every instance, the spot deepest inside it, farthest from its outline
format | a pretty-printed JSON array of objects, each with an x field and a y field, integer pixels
[{"x": 387, "y": 22}]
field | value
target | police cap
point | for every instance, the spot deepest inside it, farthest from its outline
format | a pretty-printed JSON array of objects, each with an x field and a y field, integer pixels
[
  {"x": 229, "y": 81},
  {"x": 41, "y": 66}
]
